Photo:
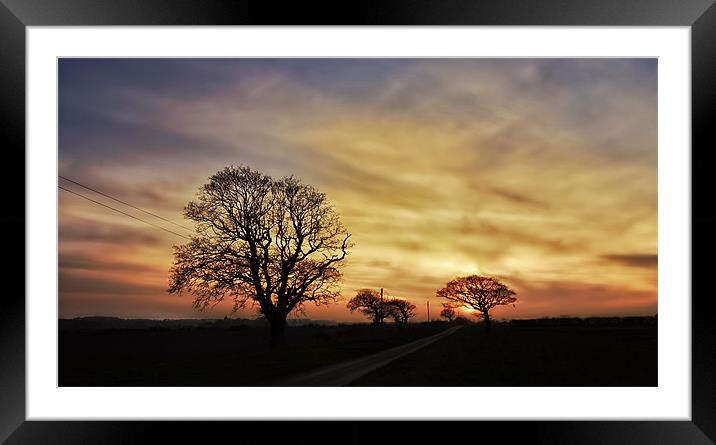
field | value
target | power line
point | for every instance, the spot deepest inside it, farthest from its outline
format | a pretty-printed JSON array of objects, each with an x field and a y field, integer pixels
[
  {"x": 123, "y": 213},
  {"x": 126, "y": 203}
]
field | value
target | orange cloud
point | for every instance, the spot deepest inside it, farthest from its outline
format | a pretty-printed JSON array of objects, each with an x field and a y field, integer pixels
[{"x": 538, "y": 171}]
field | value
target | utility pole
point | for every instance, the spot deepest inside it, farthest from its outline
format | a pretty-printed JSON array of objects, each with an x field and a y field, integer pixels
[
  {"x": 428, "y": 305},
  {"x": 381, "y": 305}
]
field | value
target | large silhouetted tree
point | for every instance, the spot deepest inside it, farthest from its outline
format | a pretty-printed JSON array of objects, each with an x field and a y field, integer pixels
[
  {"x": 276, "y": 243},
  {"x": 369, "y": 303},
  {"x": 400, "y": 310},
  {"x": 478, "y": 292}
]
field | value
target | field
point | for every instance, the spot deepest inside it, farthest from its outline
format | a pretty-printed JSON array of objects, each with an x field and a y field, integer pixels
[
  {"x": 529, "y": 356},
  {"x": 239, "y": 355},
  {"x": 214, "y": 355}
]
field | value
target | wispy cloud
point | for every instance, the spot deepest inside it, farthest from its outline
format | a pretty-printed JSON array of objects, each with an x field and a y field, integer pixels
[
  {"x": 635, "y": 259},
  {"x": 532, "y": 168}
]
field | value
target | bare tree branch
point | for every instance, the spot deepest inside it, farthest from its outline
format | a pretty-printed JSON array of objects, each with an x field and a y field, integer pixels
[{"x": 274, "y": 243}]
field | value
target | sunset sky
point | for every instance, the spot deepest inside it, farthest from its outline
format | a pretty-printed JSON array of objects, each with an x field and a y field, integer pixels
[{"x": 542, "y": 172}]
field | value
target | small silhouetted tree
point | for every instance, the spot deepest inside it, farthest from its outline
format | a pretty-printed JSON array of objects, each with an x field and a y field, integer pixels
[
  {"x": 276, "y": 243},
  {"x": 448, "y": 312},
  {"x": 478, "y": 292},
  {"x": 400, "y": 310},
  {"x": 369, "y": 303}
]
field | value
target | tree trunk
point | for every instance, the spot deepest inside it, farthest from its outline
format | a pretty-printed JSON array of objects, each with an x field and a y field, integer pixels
[
  {"x": 278, "y": 331},
  {"x": 488, "y": 322}
]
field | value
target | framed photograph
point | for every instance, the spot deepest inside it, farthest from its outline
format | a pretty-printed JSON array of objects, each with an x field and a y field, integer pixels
[{"x": 445, "y": 213}]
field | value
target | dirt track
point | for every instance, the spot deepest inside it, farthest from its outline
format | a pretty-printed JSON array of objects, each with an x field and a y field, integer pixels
[{"x": 344, "y": 373}]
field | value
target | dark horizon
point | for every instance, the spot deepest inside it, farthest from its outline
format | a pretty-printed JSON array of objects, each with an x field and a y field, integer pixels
[{"x": 363, "y": 321}]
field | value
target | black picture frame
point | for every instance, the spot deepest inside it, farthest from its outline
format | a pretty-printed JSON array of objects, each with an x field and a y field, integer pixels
[{"x": 699, "y": 15}]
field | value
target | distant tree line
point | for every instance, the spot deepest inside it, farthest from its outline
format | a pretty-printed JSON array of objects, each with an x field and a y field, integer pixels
[{"x": 584, "y": 321}]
